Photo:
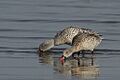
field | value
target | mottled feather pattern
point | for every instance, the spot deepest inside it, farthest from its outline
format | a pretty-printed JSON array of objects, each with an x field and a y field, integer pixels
[
  {"x": 65, "y": 36},
  {"x": 46, "y": 45},
  {"x": 86, "y": 40}
]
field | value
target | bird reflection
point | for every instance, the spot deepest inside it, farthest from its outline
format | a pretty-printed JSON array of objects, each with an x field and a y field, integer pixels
[
  {"x": 86, "y": 71},
  {"x": 83, "y": 67},
  {"x": 46, "y": 57}
]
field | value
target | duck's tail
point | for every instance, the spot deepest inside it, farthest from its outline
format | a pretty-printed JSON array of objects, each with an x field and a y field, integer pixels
[{"x": 46, "y": 45}]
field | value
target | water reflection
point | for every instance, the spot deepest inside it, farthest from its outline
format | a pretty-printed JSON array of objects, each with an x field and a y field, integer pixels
[
  {"x": 83, "y": 67},
  {"x": 46, "y": 57}
]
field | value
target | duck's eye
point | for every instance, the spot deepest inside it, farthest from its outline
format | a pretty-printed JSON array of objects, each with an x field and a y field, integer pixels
[{"x": 67, "y": 52}]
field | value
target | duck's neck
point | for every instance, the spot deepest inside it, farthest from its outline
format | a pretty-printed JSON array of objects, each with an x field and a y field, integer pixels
[{"x": 72, "y": 49}]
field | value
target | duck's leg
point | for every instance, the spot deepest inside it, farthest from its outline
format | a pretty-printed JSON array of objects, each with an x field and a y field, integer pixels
[
  {"x": 92, "y": 58},
  {"x": 78, "y": 53},
  {"x": 92, "y": 53},
  {"x": 78, "y": 62},
  {"x": 92, "y": 63},
  {"x": 83, "y": 54}
]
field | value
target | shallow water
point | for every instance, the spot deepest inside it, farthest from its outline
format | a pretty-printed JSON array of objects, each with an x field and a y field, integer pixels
[{"x": 24, "y": 24}]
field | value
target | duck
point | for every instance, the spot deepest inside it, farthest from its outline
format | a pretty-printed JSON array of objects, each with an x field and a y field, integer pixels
[
  {"x": 84, "y": 41},
  {"x": 65, "y": 36}
]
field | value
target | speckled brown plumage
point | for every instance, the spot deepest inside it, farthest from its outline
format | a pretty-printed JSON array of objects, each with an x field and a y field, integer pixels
[
  {"x": 65, "y": 37},
  {"x": 84, "y": 41}
]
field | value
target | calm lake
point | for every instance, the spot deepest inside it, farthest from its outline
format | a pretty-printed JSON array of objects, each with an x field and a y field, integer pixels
[{"x": 24, "y": 24}]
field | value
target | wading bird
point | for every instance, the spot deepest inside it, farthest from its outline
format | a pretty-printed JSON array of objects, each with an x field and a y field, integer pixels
[
  {"x": 64, "y": 37},
  {"x": 84, "y": 41}
]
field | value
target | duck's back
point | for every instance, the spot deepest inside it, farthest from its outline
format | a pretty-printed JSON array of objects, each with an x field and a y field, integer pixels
[
  {"x": 66, "y": 35},
  {"x": 86, "y": 41}
]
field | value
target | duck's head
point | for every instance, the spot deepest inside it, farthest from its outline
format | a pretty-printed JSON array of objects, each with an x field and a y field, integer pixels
[
  {"x": 67, "y": 53},
  {"x": 46, "y": 45}
]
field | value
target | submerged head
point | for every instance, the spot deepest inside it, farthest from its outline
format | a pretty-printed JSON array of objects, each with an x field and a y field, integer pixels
[{"x": 46, "y": 45}]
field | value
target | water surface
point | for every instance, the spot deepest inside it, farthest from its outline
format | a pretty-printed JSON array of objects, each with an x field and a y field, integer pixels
[{"x": 24, "y": 24}]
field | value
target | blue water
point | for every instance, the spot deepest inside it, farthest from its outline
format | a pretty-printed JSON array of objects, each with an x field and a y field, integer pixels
[{"x": 24, "y": 24}]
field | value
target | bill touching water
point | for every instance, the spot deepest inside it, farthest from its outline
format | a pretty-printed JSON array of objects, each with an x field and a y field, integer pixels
[
  {"x": 24, "y": 24},
  {"x": 85, "y": 67}
]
